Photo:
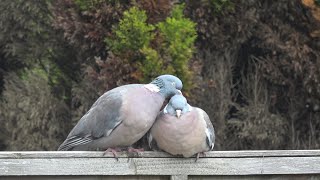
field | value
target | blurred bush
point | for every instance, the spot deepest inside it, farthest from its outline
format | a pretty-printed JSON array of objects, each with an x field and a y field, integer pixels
[
  {"x": 33, "y": 119},
  {"x": 252, "y": 65}
]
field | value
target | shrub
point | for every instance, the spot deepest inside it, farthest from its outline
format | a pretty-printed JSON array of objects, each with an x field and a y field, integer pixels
[
  {"x": 87, "y": 5},
  {"x": 179, "y": 34},
  {"x": 255, "y": 124},
  {"x": 167, "y": 51},
  {"x": 132, "y": 33},
  {"x": 152, "y": 65},
  {"x": 32, "y": 117},
  {"x": 220, "y": 5}
]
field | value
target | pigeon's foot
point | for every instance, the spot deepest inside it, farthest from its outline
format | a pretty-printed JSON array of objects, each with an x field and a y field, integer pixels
[
  {"x": 131, "y": 149},
  {"x": 113, "y": 151},
  {"x": 200, "y": 154},
  {"x": 133, "y": 152}
]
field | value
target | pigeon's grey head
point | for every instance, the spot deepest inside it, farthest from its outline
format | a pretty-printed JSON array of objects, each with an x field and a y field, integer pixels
[
  {"x": 177, "y": 106},
  {"x": 169, "y": 85}
]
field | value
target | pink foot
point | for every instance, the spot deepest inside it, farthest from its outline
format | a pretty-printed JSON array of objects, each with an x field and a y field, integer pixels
[
  {"x": 113, "y": 151},
  {"x": 132, "y": 150}
]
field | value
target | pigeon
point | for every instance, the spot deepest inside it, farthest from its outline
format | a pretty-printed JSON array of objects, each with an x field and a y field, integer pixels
[
  {"x": 181, "y": 129},
  {"x": 121, "y": 116}
]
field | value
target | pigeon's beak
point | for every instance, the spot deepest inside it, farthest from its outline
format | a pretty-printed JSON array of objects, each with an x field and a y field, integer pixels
[
  {"x": 178, "y": 113},
  {"x": 179, "y": 92}
]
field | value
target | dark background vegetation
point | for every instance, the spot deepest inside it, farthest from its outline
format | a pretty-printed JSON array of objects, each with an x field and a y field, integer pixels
[{"x": 252, "y": 65}]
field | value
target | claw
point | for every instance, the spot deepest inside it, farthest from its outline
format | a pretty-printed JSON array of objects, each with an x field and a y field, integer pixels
[{"x": 113, "y": 151}]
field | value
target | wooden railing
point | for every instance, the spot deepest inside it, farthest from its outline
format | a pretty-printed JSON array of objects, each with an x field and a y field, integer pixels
[{"x": 282, "y": 164}]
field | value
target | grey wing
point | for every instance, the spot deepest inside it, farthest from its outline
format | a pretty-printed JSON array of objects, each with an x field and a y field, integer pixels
[
  {"x": 102, "y": 118},
  {"x": 209, "y": 130}
]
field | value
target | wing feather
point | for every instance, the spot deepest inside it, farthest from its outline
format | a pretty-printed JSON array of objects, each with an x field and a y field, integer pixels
[
  {"x": 74, "y": 141},
  {"x": 209, "y": 129},
  {"x": 102, "y": 118}
]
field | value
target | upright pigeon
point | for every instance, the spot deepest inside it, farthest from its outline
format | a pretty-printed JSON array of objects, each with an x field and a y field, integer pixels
[
  {"x": 121, "y": 116},
  {"x": 181, "y": 129}
]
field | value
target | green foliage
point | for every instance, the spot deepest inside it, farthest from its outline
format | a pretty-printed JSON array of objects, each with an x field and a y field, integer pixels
[
  {"x": 179, "y": 35},
  {"x": 31, "y": 117},
  {"x": 132, "y": 33},
  {"x": 175, "y": 43},
  {"x": 152, "y": 65},
  {"x": 276, "y": 106},
  {"x": 86, "y": 5},
  {"x": 33, "y": 106},
  {"x": 46, "y": 70},
  {"x": 24, "y": 31},
  {"x": 29, "y": 42},
  {"x": 219, "y": 5}
]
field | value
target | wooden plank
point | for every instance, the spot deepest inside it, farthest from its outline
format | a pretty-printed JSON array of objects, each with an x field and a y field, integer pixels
[
  {"x": 85, "y": 177},
  {"x": 179, "y": 177},
  {"x": 151, "y": 154},
  {"x": 160, "y": 166},
  {"x": 260, "y": 177}
]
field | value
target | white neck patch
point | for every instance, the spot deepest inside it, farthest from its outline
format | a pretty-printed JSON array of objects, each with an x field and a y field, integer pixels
[{"x": 152, "y": 87}]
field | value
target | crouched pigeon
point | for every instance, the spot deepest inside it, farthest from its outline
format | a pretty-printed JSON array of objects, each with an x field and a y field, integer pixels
[{"x": 181, "y": 129}]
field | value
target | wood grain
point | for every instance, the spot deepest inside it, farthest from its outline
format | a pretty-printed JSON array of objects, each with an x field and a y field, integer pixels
[
  {"x": 258, "y": 177},
  {"x": 152, "y": 154},
  {"x": 85, "y": 177},
  {"x": 159, "y": 165}
]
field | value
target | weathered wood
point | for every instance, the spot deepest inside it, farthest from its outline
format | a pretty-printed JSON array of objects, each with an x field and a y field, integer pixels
[
  {"x": 85, "y": 177},
  {"x": 260, "y": 177},
  {"x": 257, "y": 177},
  {"x": 160, "y": 166},
  {"x": 152, "y": 154}
]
